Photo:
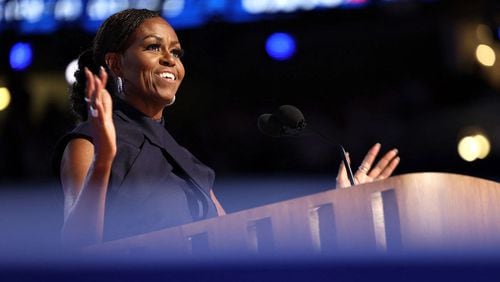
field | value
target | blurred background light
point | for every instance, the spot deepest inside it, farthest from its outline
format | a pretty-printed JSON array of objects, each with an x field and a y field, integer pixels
[
  {"x": 173, "y": 8},
  {"x": 99, "y": 10},
  {"x": 46, "y": 15},
  {"x": 276, "y": 6},
  {"x": 485, "y": 55},
  {"x": 474, "y": 147},
  {"x": 29, "y": 10},
  {"x": 68, "y": 10},
  {"x": 70, "y": 71},
  {"x": 146, "y": 4},
  {"x": 468, "y": 148},
  {"x": 21, "y": 56},
  {"x": 4, "y": 98},
  {"x": 280, "y": 46},
  {"x": 32, "y": 10},
  {"x": 484, "y": 145}
]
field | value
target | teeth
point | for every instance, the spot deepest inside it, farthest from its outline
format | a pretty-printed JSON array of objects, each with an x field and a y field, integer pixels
[{"x": 167, "y": 75}]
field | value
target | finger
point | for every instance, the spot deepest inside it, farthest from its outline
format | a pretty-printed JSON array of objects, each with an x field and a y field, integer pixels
[
  {"x": 105, "y": 96},
  {"x": 99, "y": 94},
  {"x": 90, "y": 93},
  {"x": 369, "y": 159},
  {"x": 89, "y": 88},
  {"x": 342, "y": 178},
  {"x": 348, "y": 158},
  {"x": 342, "y": 171},
  {"x": 98, "y": 86},
  {"x": 103, "y": 75},
  {"x": 382, "y": 164},
  {"x": 389, "y": 169}
]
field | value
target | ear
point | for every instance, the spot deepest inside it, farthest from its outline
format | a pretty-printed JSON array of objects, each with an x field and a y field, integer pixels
[{"x": 114, "y": 63}]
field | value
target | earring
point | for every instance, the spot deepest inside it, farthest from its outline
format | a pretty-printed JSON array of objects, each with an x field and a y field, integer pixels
[{"x": 119, "y": 85}]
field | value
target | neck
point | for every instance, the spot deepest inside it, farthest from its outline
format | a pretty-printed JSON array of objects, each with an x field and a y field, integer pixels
[{"x": 145, "y": 106}]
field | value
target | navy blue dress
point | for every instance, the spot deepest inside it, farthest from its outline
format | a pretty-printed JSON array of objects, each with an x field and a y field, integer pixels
[{"x": 155, "y": 183}]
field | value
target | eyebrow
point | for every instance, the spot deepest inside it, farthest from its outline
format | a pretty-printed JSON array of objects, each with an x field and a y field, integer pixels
[{"x": 159, "y": 38}]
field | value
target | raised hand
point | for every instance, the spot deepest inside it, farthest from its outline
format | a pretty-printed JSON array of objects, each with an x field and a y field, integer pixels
[
  {"x": 100, "y": 115},
  {"x": 86, "y": 167},
  {"x": 365, "y": 173}
]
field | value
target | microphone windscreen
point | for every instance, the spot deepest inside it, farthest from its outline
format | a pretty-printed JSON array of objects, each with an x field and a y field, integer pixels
[
  {"x": 269, "y": 125},
  {"x": 291, "y": 117}
]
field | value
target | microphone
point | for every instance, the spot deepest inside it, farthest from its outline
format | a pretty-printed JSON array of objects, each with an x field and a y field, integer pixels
[
  {"x": 289, "y": 121},
  {"x": 286, "y": 121}
]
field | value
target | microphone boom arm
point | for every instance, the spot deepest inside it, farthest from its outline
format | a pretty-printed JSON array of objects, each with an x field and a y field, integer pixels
[
  {"x": 289, "y": 121},
  {"x": 343, "y": 155},
  {"x": 347, "y": 165}
]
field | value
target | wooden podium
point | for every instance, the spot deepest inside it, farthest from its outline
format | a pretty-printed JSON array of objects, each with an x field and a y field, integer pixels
[{"x": 409, "y": 213}]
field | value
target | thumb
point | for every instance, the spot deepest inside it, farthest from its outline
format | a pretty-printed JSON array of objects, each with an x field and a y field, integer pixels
[{"x": 342, "y": 179}]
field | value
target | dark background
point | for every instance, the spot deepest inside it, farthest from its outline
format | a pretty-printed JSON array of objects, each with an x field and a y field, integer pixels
[{"x": 395, "y": 74}]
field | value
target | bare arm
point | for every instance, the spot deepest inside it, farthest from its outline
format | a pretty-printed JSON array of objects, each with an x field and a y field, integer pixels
[
  {"x": 85, "y": 169},
  {"x": 85, "y": 183}
]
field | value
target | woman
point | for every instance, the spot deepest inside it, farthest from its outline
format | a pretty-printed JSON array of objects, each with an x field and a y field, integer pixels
[{"x": 121, "y": 171}]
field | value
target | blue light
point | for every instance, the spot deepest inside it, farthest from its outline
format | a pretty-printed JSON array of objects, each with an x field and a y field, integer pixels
[
  {"x": 21, "y": 56},
  {"x": 280, "y": 46}
]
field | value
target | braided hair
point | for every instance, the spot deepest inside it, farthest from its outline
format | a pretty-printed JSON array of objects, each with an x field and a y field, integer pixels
[{"x": 112, "y": 36}]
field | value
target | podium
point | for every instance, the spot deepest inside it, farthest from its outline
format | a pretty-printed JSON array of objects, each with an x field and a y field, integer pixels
[{"x": 410, "y": 213}]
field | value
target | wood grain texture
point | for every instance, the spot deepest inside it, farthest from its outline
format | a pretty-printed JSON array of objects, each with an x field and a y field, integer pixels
[{"x": 415, "y": 212}]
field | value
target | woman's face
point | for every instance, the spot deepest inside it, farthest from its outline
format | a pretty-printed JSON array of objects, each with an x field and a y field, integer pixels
[{"x": 151, "y": 65}]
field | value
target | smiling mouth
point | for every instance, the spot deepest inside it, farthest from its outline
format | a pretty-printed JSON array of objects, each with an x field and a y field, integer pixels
[{"x": 167, "y": 75}]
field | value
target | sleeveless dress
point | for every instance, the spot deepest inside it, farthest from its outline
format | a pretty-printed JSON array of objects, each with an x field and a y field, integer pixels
[{"x": 155, "y": 183}]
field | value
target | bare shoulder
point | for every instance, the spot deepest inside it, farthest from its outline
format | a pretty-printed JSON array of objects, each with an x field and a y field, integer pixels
[
  {"x": 77, "y": 151},
  {"x": 75, "y": 163}
]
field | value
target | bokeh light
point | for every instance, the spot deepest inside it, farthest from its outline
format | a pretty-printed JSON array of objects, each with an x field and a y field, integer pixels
[
  {"x": 474, "y": 147},
  {"x": 485, "y": 55},
  {"x": 98, "y": 10},
  {"x": 173, "y": 8},
  {"x": 70, "y": 71},
  {"x": 484, "y": 145},
  {"x": 4, "y": 98},
  {"x": 280, "y": 46},
  {"x": 68, "y": 10},
  {"x": 21, "y": 55}
]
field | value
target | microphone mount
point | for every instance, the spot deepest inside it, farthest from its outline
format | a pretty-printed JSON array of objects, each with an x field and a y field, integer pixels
[{"x": 289, "y": 121}]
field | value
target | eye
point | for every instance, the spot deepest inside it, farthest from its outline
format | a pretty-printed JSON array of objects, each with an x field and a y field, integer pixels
[
  {"x": 177, "y": 52},
  {"x": 154, "y": 47}
]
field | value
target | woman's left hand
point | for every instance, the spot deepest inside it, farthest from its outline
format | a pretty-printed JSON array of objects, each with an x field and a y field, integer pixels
[{"x": 365, "y": 173}]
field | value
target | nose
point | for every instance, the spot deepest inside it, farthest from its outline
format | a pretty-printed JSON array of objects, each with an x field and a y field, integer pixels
[{"x": 167, "y": 59}]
